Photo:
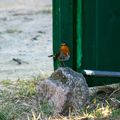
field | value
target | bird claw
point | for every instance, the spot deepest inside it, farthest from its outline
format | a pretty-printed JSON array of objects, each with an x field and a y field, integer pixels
[{"x": 62, "y": 64}]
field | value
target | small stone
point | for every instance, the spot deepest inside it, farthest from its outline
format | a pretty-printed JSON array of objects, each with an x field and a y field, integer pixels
[
  {"x": 19, "y": 61},
  {"x": 42, "y": 32}
]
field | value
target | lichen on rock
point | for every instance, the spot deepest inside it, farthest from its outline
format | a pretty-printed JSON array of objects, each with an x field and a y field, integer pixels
[{"x": 64, "y": 89}]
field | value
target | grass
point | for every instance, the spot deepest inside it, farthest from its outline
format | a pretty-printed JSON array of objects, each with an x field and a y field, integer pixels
[
  {"x": 6, "y": 82},
  {"x": 116, "y": 112},
  {"x": 11, "y": 31},
  {"x": 18, "y": 102},
  {"x": 26, "y": 88}
]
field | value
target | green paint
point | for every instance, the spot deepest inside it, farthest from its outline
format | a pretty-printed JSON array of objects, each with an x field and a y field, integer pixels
[
  {"x": 63, "y": 28},
  {"x": 92, "y": 30},
  {"x": 79, "y": 35}
]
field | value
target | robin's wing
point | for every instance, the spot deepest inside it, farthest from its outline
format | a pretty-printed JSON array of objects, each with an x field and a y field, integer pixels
[{"x": 56, "y": 56}]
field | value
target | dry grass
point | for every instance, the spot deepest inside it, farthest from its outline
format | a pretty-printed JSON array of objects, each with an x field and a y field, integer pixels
[{"x": 18, "y": 102}]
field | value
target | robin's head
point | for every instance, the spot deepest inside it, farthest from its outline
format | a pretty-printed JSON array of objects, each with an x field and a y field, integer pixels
[{"x": 63, "y": 44}]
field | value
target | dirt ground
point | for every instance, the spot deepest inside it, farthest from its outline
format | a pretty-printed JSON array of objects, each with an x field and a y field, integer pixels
[{"x": 25, "y": 38}]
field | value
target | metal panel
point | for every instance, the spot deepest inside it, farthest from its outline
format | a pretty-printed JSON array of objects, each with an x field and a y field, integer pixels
[
  {"x": 92, "y": 30},
  {"x": 64, "y": 29},
  {"x": 89, "y": 34},
  {"x": 101, "y": 34},
  {"x": 79, "y": 35},
  {"x": 108, "y": 36},
  {"x": 101, "y": 38}
]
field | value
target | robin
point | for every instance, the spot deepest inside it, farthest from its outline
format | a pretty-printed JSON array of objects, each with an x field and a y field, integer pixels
[{"x": 63, "y": 54}]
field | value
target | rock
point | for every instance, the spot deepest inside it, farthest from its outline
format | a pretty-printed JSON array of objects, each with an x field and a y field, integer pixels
[
  {"x": 65, "y": 89},
  {"x": 53, "y": 92}
]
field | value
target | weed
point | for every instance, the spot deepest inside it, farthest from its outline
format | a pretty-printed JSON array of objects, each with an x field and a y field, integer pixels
[
  {"x": 45, "y": 109},
  {"x": 34, "y": 117},
  {"x": 17, "y": 99},
  {"x": 6, "y": 82},
  {"x": 10, "y": 31},
  {"x": 26, "y": 88},
  {"x": 116, "y": 112}
]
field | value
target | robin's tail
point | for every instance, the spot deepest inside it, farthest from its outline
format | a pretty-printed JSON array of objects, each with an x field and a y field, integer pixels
[
  {"x": 51, "y": 56},
  {"x": 55, "y": 57}
]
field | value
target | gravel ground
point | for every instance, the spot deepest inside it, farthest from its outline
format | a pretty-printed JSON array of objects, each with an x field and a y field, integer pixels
[{"x": 25, "y": 40}]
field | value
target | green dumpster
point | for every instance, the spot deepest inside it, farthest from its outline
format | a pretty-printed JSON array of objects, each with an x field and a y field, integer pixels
[{"x": 91, "y": 28}]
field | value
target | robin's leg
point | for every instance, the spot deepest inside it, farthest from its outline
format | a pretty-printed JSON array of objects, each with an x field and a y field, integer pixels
[{"x": 62, "y": 64}]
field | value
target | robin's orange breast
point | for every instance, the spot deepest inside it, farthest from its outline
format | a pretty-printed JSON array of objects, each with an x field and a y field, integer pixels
[{"x": 65, "y": 50}]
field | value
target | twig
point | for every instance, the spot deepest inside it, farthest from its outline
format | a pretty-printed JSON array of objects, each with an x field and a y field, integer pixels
[{"x": 113, "y": 92}]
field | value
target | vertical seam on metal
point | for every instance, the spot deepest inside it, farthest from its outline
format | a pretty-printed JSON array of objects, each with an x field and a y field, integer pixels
[
  {"x": 79, "y": 33},
  {"x": 96, "y": 41}
]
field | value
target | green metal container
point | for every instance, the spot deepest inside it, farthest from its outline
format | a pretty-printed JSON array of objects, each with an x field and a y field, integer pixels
[{"x": 91, "y": 28}]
